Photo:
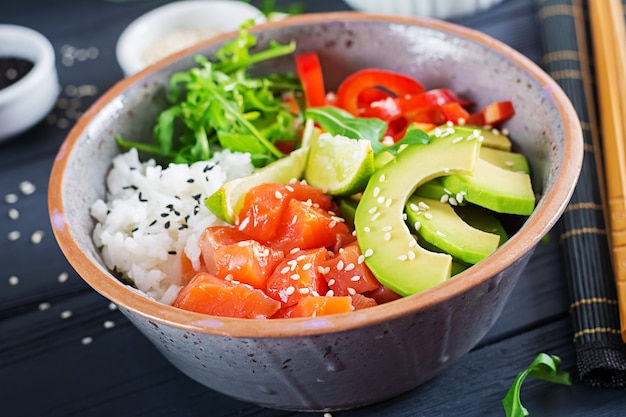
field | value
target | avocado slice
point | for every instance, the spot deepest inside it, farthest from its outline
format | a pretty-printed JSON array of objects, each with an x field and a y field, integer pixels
[
  {"x": 435, "y": 190},
  {"x": 458, "y": 266},
  {"x": 512, "y": 161},
  {"x": 390, "y": 251},
  {"x": 493, "y": 138},
  {"x": 482, "y": 219},
  {"x": 495, "y": 188},
  {"x": 441, "y": 226}
]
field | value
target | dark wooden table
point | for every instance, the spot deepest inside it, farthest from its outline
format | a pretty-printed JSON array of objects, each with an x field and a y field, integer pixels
[{"x": 65, "y": 352}]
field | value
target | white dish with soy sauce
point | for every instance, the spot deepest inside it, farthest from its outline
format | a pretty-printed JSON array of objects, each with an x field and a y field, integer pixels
[{"x": 29, "y": 83}]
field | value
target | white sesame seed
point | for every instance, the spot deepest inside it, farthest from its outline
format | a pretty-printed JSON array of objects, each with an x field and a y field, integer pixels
[
  {"x": 387, "y": 236},
  {"x": 332, "y": 282},
  {"x": 414, "y": 207},
  {"x": 295, "y": 277},
  {"x": 372, "y": 210},
  {"x": 423, "y": 205},
  {"x": 66, "y": 314},
  {"x": 320, "y": 269},
  {"x": 244, "y": 223},
  {"x": 108, "y": 324},
  {"x": 332, "y": 224},
  {"x": 355, "y": 278},
  {"x": 375, "y": 216},
  {"x": 43, "y": 306},
  {"x": 278, "y": 195},
  {"x": 457, "y": 140},
  {"x": 294, "y": 251},
  {"x": 330, "y": 293},
  {"x": 63, "y": 276},
  {"x": 380, "y": 199},
  {"x": 294, "y": 219},
  {"x": 14, "y": 235},
  {"x": 289, "y": 188},
  {"x": 36, "y": 237},
  {"x": 387, "y": 228},
  {"x": 361, "y": 259},
  {"x": 301, "y": 258},
  {"x": 349, "y": 267},
  {"x": 402, "y": 258},
  {"x": 10, "y": 198},
  {"x": 417, "y": 225},
  {"x": 112, "y": 306},
  {"x": 340, "y": 265},
  {"x": 304, "y": 290},
  {"x": 376, "y": 191},
  {"x": 27, "y": 187},
  {"x": 440, "y": 233},
  {"x": 368, "y": 253},
  {"x": 388, "y": 202},
  {"x": 229, "y": 277},
  {"x": 381, "y": 178},
  {"x": 351, "y": 291},
  {"x": 444, "y": 198},
  {"x": 412, "y": 243},
  {"x": 428, "y": 216},
  {"x": 13, "y": 214},
  {"x": 446, "y": 170},
  {"x": 290, "y": 290},
  {"x": 411, "y": 255},
  {"x": 366, "y": 229},
  {"x": 307, "y": 266},
  {"x": 14, "y": 280},
  {"x": 453, "y": 201},
  {"x": 244, "y": 243},
  {"x": 459, "y": 197},
  {"x": 86, "y": 340}
]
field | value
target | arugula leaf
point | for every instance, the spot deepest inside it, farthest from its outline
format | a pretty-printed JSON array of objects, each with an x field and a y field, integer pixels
[
  {"x": 339, "y": 122},
  {"x": 545, "y": 367},
  {"x": 217, "y": 105}
]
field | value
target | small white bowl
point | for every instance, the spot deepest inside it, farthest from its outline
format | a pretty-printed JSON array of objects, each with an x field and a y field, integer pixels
[
  {"x": 176, "y": 26},
  {"x": 28, "y": 100},
  {"x": 441, "y": 9}
]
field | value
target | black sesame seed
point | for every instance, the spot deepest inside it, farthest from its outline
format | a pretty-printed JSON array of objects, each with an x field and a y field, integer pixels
[
  {"x": 177, "y": 213},
  {"x": 190, "y": 180},
  {"x": 183, "y": 226},
  {"x": 172, "y": 252},
  {"x": 164, "y": 214},
  {"x": 134, "y": 230},
  {"x": 167, "y": 225},
  {"x": 197, "y": 197},
  {"x": 143, "y": 200},
  {"x": 153, "y": 223}
]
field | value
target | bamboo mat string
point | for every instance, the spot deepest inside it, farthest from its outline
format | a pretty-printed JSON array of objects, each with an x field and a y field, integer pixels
[{"x": 600, "y": 351}]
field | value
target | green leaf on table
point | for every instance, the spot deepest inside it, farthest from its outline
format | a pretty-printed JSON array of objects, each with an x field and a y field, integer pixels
[{"x": 545, "y": 367}]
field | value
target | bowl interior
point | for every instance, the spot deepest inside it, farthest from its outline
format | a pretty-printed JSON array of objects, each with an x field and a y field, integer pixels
[{"x": 545, "y": 128}]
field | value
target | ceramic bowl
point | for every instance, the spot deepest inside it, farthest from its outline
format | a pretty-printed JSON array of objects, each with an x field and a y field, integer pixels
[
  {"x": 27, "y": 101},
  {"x": 175, "y": 26},
  {"x": 354, "y": 359},
  {"x": 441, "y": 9}
]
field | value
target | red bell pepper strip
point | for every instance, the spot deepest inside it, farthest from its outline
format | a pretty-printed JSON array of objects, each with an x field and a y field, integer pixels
[
  {"x": 310, "y": 74},
  {"x": 396, "y": 83},
  {"x": 498, "y": 112}
]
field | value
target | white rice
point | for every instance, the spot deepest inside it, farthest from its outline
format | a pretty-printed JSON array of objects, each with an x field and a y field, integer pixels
[{"x": 152, "y": 214}]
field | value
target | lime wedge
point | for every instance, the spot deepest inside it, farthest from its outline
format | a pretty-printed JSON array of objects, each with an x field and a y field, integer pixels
[
  {"x": 226, "y": 202},
  {"x": 339, "y": 165}
]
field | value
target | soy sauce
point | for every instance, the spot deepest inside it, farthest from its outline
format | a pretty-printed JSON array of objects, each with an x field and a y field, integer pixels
[{"x": 13, "y": 69}]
